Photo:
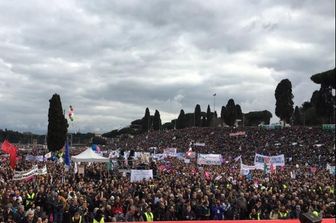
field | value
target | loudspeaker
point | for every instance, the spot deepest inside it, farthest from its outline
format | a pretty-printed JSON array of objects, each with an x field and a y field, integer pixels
[{"x": 309, "y": 218}]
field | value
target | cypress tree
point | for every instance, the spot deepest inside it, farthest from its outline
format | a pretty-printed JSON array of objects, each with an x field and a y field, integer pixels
[
  {"x": 180, "y": 124},
  {"x": 230, "y": 113},
  {"x": 157, "y": 120},
  {"x": 57, "y": 124},
  {"x": 146, "y": 121},
  {"x": 284, "y": 100},
  {"x": 197, "y": 114}
]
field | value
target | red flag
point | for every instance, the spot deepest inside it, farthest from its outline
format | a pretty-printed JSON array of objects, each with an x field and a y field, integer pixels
[
  {"x": 9, "y": 148},
  {"x": 6, "y": 146}
]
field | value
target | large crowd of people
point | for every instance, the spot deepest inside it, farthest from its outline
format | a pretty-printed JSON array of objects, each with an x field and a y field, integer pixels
[{"x": 180, "y": 190}]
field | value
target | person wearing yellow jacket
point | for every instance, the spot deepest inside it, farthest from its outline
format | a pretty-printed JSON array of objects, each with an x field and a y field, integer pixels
[
  {"x": 98, "y": 217},
  {"x": 148, "y": 215},
  {"x": 283, "y": 213}
]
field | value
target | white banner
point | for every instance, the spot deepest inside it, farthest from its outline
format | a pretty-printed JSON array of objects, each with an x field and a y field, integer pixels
[
  {"x": 245, "y": 169},
  {"x": 170, "y": 152},
  {"x": 139, "y": 175},
  {"x": 42, "y": 171},
  {"x": 35, "y": 158},
  {"x": 141, "y": 155},
  {"x": 23, "y": 175},
  {"x": 159, "y": 156},
  {"x": 260, "y": 160},
  {"x": 199, "y": 144},
  {"x": 209, "y": 159}
]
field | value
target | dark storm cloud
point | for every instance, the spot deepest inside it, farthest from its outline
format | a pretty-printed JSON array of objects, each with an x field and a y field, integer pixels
[{"x": 112, "y": 59}]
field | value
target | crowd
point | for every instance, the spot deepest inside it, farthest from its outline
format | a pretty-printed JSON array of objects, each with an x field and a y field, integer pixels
[{"x": 179, "y": 190}]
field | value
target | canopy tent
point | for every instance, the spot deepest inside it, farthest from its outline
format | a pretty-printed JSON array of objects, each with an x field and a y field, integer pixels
[{"x": 90, "y": 156}]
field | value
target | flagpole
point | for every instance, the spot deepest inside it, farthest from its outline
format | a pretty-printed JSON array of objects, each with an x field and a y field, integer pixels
[{"x": 214, "y": 102}]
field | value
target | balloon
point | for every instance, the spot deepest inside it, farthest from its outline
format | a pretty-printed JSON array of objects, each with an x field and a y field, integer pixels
[{"x": 71, "y": 113}]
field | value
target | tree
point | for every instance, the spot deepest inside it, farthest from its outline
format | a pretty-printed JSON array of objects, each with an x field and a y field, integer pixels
[
  {"x": 315, "y": 98},
  {"x": 239, "y": 113},
  {"x": 168, "y": 125},
  {"x": 157, "y": 120},
  {"x": 284, "y": 100},
  {"x": 223, "y": 113},
  {"x": 326, "y": 78},
  {"x": 306, "y": 105},
  {"x": 204, "y": 122},
  {"x": 57, "y": 124},
  {"x": 180, "y": 124},
  {"x": 325, "y": 103},
  {"x": 209, "y": 116},
  {"x": 197, "y": 114},
  {"x": 257, "y": 117},
  {"x": 297, "y": 120},
  {"x": 323, "y": 100},
  {"x": 146, "y": 121},
  {"x": 230, "y": 117}
]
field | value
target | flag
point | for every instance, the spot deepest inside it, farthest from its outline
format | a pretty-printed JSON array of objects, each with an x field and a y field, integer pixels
[
  {"x": 9, "y": 148},
  {"x": 47, "y": 155},
  {"x": 237, "y": 158},
  {"x": 75, "y": 168},
  {"x": 67, "y": 155},
  {"x": 266, "y": 170},
  {"x": 110, "y": 165},
  {"x": 292, "y": 174}
]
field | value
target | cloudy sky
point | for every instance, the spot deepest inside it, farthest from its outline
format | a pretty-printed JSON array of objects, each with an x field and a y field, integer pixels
[{"x": 112, "y": 59}]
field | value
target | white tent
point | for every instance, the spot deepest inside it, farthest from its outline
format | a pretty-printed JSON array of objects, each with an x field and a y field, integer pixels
[{"x": 90, "y": 156}]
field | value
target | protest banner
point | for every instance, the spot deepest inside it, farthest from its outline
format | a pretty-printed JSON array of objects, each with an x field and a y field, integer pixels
[
  {"x": 24, "y": 175},
  {"x": 139, "y": 175},
  {"x": 260, "y": 160},
  {"x": 199, "y": 144},
  {"x": 240, "y": 133},
  {"x": 160, "y": 156},
  {"x": 209, "y": 159},
  {"x": 170, "y": 152},
  {"x": 245, "y": 169},
  {"x": 35, "y": 158}
]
